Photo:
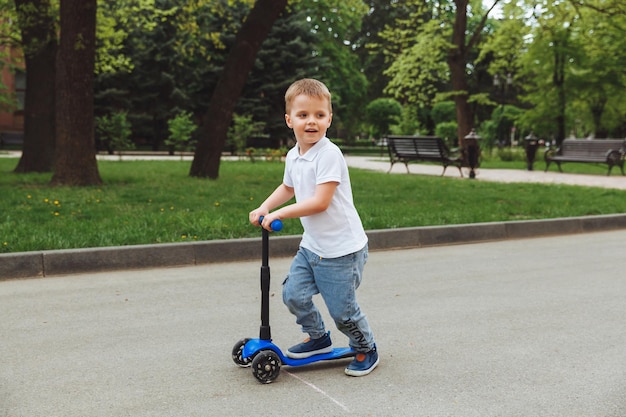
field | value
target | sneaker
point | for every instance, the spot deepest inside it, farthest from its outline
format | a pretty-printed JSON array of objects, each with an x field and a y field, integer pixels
[
  {"x": 311, "y": 347},
  {"x": 363, "y": 363}
]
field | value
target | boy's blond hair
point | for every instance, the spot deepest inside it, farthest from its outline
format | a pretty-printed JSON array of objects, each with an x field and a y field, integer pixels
[{"x": 308, "y": 87}]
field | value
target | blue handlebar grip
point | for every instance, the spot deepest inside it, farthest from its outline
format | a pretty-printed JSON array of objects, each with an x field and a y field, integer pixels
[{"x": 276, "y": 225}]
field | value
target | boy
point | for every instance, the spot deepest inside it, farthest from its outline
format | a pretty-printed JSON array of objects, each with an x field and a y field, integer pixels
[{"x": 333, "y": 250}]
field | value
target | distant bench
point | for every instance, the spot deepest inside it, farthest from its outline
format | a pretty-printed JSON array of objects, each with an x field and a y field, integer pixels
[
  {"x": 607, "y": 151},
  {"x": 11, "y": 139},
  {"x": 421, "y": 148}
]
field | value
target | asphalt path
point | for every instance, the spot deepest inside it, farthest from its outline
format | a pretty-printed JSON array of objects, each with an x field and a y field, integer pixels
[{"x": 526, "y": 327}]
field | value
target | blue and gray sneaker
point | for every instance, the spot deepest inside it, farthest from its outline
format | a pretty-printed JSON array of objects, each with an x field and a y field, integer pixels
[
  {"x": 311, "y": 347},
  {"x": 363, "y": 363}
]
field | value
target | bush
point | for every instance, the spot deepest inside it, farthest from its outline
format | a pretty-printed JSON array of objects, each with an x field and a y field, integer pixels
[
  {"x": 242, "y": 128},
  {"x": 381, "y": 114},
  {"x": 448, "y": 132},
  {"x": 114, "y": 131},
  {"x": 409, "y": 122},
  {"x": 444, "y": 111},
  {"x": 181, "y": 127},
  {"x": 508, "y": 154}
]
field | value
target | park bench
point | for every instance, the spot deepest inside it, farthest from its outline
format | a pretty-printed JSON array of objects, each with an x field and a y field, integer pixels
[
  {"x": 607, "y": 151},
  {"x": 421, "y": 149},
  {"x": 11, "y": 139}
]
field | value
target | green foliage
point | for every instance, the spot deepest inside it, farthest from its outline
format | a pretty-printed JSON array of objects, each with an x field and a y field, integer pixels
[
  {"x": 488, "y": 130},
  {"x": 409, "y": 123},
  {"x": 284, "y": 57},
  {"x": 163, "y": 59},
  {"x": 502, "y": 49},
  {"x": 497, "y": 130},
  {"x": 114, "y": 131},
  {"x": 243, "y": 127},
  {"x": 448, "y": 132},
  {"x": 598, "y": 76},
  {"x": 8, "y": 28},
  {"x": 335, "y": 24},
  {"x": 510, "y": 154},
  {"x": 120, "y": 20},
  {"x": 570, "y": 67},
  {"x": 417, "y": 61},
  {"x": 181, "y": 128},
  {"x": 156, "y": 58},
  {"x": 381, "y": 114},
  {"x": 443, "y": 111}
]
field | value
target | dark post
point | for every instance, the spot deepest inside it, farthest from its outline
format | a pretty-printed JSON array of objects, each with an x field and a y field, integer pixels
[
  {"x": 265, "y": 332},
  {"x": 532, "y": 143},
  {"x": 471, "y": 151}
]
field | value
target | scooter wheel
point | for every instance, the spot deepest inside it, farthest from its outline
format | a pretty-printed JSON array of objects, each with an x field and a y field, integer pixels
[
  {"x": 266, "y": 366},
  {"x": 237, "y": 354}
]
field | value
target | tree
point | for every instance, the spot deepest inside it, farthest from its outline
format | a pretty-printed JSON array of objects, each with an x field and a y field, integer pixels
[
  {"x": 335, "y": 24},
  {"x": 566, "y": 60},
  {"x": 133, "y": 57},
  {"x": 214, "y": 129},
  {"x": 369, "y": 44},
  {"x": 39, "y": 44},
  {"x": 285, "y": 56},
  {"x": 75, "y": 162},
  {"x": 447, "y": 31},
  {"x": 174, "y": 66},
  {"x": 596, "y": 75}
]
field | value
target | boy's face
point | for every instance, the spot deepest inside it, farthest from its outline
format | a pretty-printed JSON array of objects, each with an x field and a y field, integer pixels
[{"x": 309, "y": 118}]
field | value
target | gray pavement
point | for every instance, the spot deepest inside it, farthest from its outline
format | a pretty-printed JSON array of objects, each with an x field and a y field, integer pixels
[{"x": 522, "y": 327}]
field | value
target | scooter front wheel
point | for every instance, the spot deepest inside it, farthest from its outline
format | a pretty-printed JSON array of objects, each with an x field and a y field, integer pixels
[
  {"x": 237, "y": 354},
  {"x": 266, "y": 366}
]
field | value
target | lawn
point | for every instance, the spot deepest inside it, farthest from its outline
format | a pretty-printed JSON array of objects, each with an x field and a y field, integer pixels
[{"x": 145, "y": 202}]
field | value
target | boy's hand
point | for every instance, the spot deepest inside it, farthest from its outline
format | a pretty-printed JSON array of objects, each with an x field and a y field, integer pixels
[
  {"x": 268, "y": 219},
  {"x": 256, "y": 214}
]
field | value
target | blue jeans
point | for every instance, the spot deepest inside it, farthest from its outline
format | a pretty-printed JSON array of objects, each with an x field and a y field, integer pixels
[{"x": 336, "y": 280}]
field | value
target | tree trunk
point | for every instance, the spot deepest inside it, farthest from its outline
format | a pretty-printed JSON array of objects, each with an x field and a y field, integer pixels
[
  {"x": 39, "y": 42},
  {"x": 75, "y": 162},
  {"x": 464, "y": 114},
  {"x": 457, "y": 61},
  {"x": 212, "y": 135},
  {"x": 596, "y": 107},
  {"x": 558, "y": 79}
]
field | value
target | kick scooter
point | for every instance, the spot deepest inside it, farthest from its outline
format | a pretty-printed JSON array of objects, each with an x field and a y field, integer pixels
[{"x": 265, "y": 357}]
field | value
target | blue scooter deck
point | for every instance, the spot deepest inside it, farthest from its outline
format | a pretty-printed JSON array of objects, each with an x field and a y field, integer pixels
[{"x": 254, "y": 346}]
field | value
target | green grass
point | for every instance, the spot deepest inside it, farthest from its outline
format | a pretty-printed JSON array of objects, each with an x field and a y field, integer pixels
[{"x": 145, "y": 202}]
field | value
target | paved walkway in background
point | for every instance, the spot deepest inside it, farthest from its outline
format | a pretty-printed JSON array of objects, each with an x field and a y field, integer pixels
[
  {"x": 616, "y": 180},
  {"x": 517, "y": 328}
]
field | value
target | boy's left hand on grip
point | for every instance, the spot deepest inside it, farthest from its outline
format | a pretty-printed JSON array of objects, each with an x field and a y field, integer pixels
[{"x": 276, "y": 225}]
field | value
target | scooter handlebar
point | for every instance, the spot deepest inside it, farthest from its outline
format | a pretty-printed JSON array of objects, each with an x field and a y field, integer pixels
[{"x": 276, "y": 225}]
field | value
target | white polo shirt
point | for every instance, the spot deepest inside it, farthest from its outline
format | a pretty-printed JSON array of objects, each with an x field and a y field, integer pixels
[{"x": 338, "y": 231}]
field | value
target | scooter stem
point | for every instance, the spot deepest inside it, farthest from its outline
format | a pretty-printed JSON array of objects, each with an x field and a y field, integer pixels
[{"x": 265, "y": 332}]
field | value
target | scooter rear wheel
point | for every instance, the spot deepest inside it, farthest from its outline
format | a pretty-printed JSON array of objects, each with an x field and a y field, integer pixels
[
  {"x": 266, "y": 366},
  {"x": 237, "y": 354}
]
